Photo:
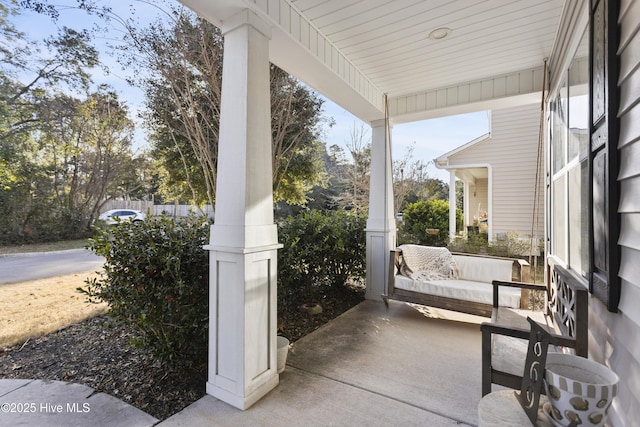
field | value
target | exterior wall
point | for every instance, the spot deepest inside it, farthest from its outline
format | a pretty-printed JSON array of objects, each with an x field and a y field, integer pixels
[
  {"x": 512, "y": 151},
  {"x": 478, "y": 197},
  {"x": 615, "y": 337}
]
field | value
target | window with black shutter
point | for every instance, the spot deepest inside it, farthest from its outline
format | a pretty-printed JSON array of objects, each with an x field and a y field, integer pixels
[{"x": 604, "y": 222}]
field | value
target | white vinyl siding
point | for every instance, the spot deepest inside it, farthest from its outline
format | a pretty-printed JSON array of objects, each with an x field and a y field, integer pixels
[
  {"x": 512, "y": 151},
  {"x": 615, "y": 337}
]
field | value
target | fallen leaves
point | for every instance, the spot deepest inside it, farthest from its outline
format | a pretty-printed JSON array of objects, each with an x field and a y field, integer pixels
[{"x": 97, "y": 352}]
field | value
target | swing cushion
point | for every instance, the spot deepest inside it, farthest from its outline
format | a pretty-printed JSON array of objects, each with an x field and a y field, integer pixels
[{"x": 435, "y": 271}]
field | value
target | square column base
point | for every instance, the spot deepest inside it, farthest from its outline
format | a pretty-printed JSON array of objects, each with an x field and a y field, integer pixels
[
  {"x": 379, "y": 245},
  {"x": 243, "y": 402},
  {"x": 242, "y": 325}
]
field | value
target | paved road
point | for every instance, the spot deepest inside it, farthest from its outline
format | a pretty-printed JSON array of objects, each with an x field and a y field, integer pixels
[{"x": 22, "y": 267}]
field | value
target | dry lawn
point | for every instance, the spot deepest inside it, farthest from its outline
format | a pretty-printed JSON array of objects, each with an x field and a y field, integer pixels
[{"x": 38, "y": 307}]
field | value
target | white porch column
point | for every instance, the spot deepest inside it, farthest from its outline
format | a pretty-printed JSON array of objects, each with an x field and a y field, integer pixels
[
  {"x": 381, "y": 224},
  {"x": 452, "y": 205},
  {"x": 466, "y": 206},
  {"x": 243, "y": 245}
]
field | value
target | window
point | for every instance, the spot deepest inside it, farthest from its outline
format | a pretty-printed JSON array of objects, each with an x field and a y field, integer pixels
[
  {"x": 569, "y": 160},
  {"x": 584, "y": 225}
]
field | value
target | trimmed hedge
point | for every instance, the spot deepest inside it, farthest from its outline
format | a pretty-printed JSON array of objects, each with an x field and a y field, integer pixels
[
  {"x": 322, "y": 251},
  {"x": 427, "y": 215},
  {"x": 156, "y": 274},
  {"x": 157, "y": 279}
]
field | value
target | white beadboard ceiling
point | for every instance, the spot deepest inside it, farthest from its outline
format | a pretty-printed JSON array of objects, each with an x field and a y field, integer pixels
[
  {"x": 388, "y": 40},
  {"x": 385, "y": 43}
]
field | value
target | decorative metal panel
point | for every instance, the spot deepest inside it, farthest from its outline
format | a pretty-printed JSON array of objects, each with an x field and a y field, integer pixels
[{"x": 562, "y": 303}]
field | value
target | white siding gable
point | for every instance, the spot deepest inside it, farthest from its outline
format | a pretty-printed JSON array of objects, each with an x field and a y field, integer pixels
[{"x": 512, "y": 152}]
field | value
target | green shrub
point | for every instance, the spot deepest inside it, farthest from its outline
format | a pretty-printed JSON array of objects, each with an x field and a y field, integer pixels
[
  {"x": 156, "y": 274},
  {"x": 321, "y": 252},
  {"x": 473, "y": 243},
  {"x": 42, "y": 221},
  {"x": 509, "y": 245},
  {"x": 156, "y": 278},
  {"x": 423, "y": 218}
]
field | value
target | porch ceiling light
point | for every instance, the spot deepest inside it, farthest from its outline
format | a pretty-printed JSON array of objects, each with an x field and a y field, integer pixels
[{"x": 439, "y": 33}]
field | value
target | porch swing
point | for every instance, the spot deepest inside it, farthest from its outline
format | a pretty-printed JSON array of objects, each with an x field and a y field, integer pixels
[{"x": 459, "y": 282}]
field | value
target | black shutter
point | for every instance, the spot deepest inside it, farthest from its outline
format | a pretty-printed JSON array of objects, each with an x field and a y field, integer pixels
[{"x": 604, "y": 221}]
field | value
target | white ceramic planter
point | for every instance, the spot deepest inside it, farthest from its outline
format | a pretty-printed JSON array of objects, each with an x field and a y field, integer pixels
[
  {"x": 283, "y": 350},
  {"x": 579, "y": 389}
]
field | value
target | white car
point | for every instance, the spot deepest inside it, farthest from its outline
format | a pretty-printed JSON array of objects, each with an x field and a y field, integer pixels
[{"x": 112, "y": 216}]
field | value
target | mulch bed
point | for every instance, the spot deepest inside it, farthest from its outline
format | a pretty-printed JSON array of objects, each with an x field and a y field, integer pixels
[{"x": 99, "y": 354}]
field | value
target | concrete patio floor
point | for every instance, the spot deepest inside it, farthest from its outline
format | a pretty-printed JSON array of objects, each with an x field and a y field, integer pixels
[{"x": 369, "y": 367}]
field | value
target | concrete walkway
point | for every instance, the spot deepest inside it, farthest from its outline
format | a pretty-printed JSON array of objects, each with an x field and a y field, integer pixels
[
  {"x": 369, "y": 367},
  {"x": 57, "y": 403}
]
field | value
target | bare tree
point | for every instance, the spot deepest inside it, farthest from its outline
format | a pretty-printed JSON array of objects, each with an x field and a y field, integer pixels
[
  {"x": 359, "y": 147},
  {"x": 181, "y": 56},
  {"x": 411, "y": 181}
]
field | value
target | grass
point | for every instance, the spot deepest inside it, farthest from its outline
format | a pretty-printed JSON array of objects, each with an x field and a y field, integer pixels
[
  {"x": 38, "y": 307},
  {"x": 43, "y": 247}
]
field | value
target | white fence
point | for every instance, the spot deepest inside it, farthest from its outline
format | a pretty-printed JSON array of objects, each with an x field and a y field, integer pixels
[
  {"x": 139, "y": 205},
  {"x": 182, "y": 210},
  {"x": 156, "y": 210}
]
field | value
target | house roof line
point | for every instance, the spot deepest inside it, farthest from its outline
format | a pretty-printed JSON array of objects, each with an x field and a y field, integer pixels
[{"x": 443, "y": 159}]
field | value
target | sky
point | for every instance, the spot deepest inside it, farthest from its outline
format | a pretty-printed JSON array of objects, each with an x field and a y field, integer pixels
[{"x": 431, "y": 138}]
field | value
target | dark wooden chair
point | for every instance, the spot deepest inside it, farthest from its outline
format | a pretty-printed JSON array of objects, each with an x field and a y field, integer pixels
[
  {"x": 566, "y": 317},
  {"x": 509, "y": 408}
]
